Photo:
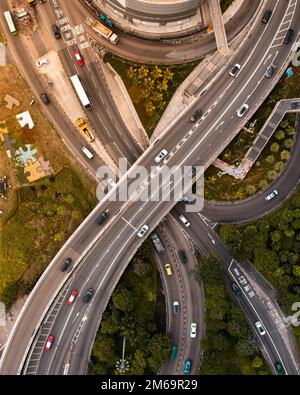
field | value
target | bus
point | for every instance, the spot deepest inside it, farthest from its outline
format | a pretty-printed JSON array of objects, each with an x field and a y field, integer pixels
[
  {"x": 10, "y": 23},
  {"x": 81, "y": 92}
]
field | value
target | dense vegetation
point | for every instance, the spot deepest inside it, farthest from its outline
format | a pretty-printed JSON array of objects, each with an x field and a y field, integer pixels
[
  {"x": 273, "y": 245},
  {"x": 150, "y": 87},
  {"x": 228, "y": 346},
  {"x": 133, "y": 312},
  {"x": 48, "y": 211}
]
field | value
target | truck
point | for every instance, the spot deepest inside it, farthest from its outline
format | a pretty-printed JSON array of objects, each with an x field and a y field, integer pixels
[
  {"x": 84, "y": 128},
  {"x": 157, "y": 243},
  {"x": 105, "y": 32}
]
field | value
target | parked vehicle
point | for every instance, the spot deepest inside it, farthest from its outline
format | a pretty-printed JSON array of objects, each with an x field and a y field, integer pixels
[
  {"x": 236, "y": 289},
  {"x": 235, "y": 70},
  {"x": 45, "y": 98},
  {"x": 163, "y": 153},
  {"x": 176, "y": 307},
  {"x": 67, "y": 263},
  {"x": 169, "y": 270},
  {"x": 72, "y": 297},
  {"x": 196, "y": 116},
  {"x": 102, "y": 217},
  {"x": 193, "y": 331},
  {"x": 77, "y": 56},
  {"x": 88, "y": 295},
  {"x": 270, "y": 70},
  {"x": 184, "y": 220},
  {"x": 157, "y": 243},
  {"x": 271, "y": 195},
  {"x": 174, "y": 352},
  {"x": 182, "y": 256},
  {"x": 40, "y": 62},
  {"x": 241, "y": 111},
  {"x": 267, "y": 16},
  {"x": 260, "y": 328},
  {"x": 279, "y": 368},
  {"x": 142, "y": 231},
  {"x": 288, "y": 36},
  {"x": 187, "y": 366},
  {"x": 49, "y": 343},
  {"x": 56, "y": 31},
  {"x": 87, "y": 152},
  {"x": 105, "y": 32}
]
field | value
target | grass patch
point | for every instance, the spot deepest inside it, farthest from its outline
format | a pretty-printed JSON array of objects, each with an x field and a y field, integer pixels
[
  {"x": 270, "y": 163},
  {"x": 49, "y": 211},
  {"x": 132, "y": 312},
  {"x": 150, "y": 87}
]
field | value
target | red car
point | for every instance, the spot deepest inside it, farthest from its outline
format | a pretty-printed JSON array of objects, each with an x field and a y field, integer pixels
[
  {"x": 72, "y": 297},
  {"x": 49, "y": 342},
  {"x": 78, "y": 58}
]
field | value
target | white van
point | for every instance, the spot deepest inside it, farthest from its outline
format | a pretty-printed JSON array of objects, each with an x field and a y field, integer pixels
[{"x": 87, "y": 152}]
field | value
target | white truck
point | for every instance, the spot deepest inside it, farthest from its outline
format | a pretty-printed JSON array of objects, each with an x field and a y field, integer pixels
[
  {"x": 105, "y": 32},
  {"x": 157, "y": 243}
]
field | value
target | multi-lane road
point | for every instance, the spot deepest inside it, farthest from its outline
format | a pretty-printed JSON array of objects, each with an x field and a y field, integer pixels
[{"x": 103, "y": 261}]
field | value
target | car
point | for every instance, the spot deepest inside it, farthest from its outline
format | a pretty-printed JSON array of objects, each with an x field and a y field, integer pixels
[
  {"x": 142, "y": 231},
  {"x": 45, "y": 98},
  {"x": 260, "y": 328},
  {"x": 163, "y": 153},
  {"x": 72, "y": 297},
  {"x": 271, "y": 195},
  {"x": 56, "y": 31},
  {"x": 187, "y": 366},
  {"x": 267, "y": 16},
  {"x": 184, "y": 220},
  {"x": 236, "y": 289},
  {"x": 279, "y": 368},
  {"x": 67, "y": 263},
  {"x": 88, "y": 295},
  {"x": 295, "y": 105},
  {"x": 41, "y": 62},
  {"x": 193, "y": 330},
  {"x": 241, "y": 111},
  {"x": 288, "y": 36},
  {"x": 49, "y": 343},
  {"x": 195, "y": 116},
  {"x": 168, "y": 268},
  {"x": 235, "y": 70},
  {"x": 270, "y": 70},
  {"x": 174, "y": 352},
  {"x": 102, "y": 217},
  {"x": 77, "y": 56},
  {"x": 182, "y": 256},
  {"x": 176, "y": 307}
]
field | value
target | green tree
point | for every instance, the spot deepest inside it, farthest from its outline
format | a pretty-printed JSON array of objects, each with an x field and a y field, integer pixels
[
  {"x": 270, "y": 159},
  {"x": 296, "y": 270},
  {"x": 209, "y": 269},
  {"x": 138, "y": 363},
  {"x": 250, "y": 189},
  {"x": 275, "y": 147},
  {"x": 279, "y": 166},
  {"x": 288, "y": 143},
  {"x": 263, "y": 184},
  {"x": 284, "y": 155},
  {"x": 123, "y": 300},
  {"x": 280, "y": 135},
  {"x": 272, "y": 175},
  {"x": 257, "y": 362},
  {"x": 159, "y": 349}
]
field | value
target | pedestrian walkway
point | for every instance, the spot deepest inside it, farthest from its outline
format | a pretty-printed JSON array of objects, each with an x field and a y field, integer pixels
[
  {"x": 281, "y": 109},
  {"x": 218, "y": 24},
  {"x": 124, "y": 105}
]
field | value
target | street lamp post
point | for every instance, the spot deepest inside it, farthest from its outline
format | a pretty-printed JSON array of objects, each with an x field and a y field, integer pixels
[{"x": 122, "y": 364}]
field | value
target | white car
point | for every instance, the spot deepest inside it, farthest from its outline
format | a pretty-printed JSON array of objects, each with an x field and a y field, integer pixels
[
  {"x": 41, "y": 62},
  {"x": 272, "y": 195},
  {"x": 235, "y": 70},
  {"x": 163, "y": 153},
  {"x": 193, "y": 330},
  {"x": 184, "y": 220},
  {"x": 260, "y": 328},
  {"x": 241, "y": 111},
  {"x": 142, "y": 231}
]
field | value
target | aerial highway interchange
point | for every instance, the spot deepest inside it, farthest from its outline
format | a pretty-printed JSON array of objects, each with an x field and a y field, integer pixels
[{"x": 102, "y": 253}]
